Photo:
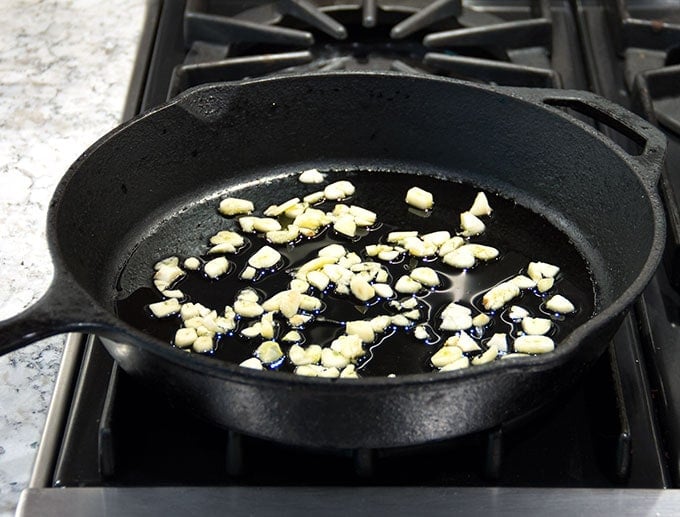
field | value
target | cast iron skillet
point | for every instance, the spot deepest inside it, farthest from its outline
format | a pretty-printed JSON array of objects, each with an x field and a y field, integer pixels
[{"x": 509, "y": 140}]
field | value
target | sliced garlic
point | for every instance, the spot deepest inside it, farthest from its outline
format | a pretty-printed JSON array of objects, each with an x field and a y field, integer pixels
[
  {"x": 437, "y": 238},
  {"x": 202, "y": 344},
  {"x": 267, "y": 325},
  {"x": 166, "y": 275},
  {"x": 362, "y": 329},
  {"x": 318, "y": 279},
  {"x": 499, "y": 295},
  {"x": 269, "y": 352},
  {"x": 265, "y": 257},
  {"x": 559, "y": 303},
  {"x": 292, "y": 336},
  {"x": 289, "y": 302},
  {"x": 419, "y": 198},
  {"x": 425, "y": 276},
  {"x": 480, "y": 206},
  {"x": 173, "y": 293},
  {"x": 332, "y": 250},
  {"x": 216, "y": 267},
  {"x": 310, "y": 303},
  {"x": 299, "y": 285},
  {"x": 235, "y": 206},
  {"x": 450, "y": 245},
  {"x": 534, "y": 344},
  {"x": 489, "y": 355},
  {"x": 345, "y": 225},
  {"x": 362, "y": 216},
  {"x": 314, "y": 265},
  {"x": 228, "y": 237},
  {"x": 515, "y": 355},
  {"x": 248, "y": 273},
  {"x": 446, "y": 355},
  {"x": 298, "y": 320},
  {"x": 165, "y": 308},
  {"x": 302, "y": 356},
  {"x": 311, "y": 176},
  {"x": 314, "y": 197},
  {"x": 536, "y": 326},
  {"x": 166, "y": 262},
  {"x": 389, "y": 256},
  {"x": 400, "y": 236},
  {"x": 185, "y": 337},
  {"x": 383, "y": 290},
  {"x": 481, "y": 252},
  {"x": 401, "y": 321},
  {"x": 338, "y": 190},
  {"x": 471, "y": 224},
  {"x": 276, "y": 210},
  {"x": 523, "y": 282},
  {"x": 538, "y": 270},
  {"x": 380, "y": 323},
  {"x": 456, "y": 317},
  {"x": 517, "y": 313},
  {"x": 253, "y": 363},
  {"x": 349, "y": 372},
  {"x": 420, "y": 332},
  {"x": 418, "y": 247},
  {"x": 291, "y": 233}
]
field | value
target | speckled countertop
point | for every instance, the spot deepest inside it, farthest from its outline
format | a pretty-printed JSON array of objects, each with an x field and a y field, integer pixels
[{"x": 65, "y": 67}]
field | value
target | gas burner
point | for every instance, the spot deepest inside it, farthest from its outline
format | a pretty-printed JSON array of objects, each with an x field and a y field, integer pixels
[{"x": 233, "y": 41}]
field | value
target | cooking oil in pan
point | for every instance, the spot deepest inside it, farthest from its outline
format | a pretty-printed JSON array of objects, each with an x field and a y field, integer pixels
[{"x": 520, "y": 235}]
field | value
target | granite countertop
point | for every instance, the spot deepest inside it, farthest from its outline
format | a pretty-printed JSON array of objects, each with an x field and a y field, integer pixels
[{"x": 64, "y": 72}]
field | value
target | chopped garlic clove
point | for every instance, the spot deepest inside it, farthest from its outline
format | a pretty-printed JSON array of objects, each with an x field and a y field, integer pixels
[
  {"x": 269, "y": 352},
  {"x": 463, "y": 341},
  {"x": 523, "y": 282},
  {"x": 265, "y": 257},
  {"x": 536, "y": 326},
  {"x": 338, "y": 190},
  {"x": 228, "y": 237},
  {"x": 515, "y": 355},
  {"x": 276, "y": 210},
  {"x": 255, "y": 330},
  {"x": 216, "y": 267},
  {"x": 267, "y": 325},
  {"x": 310, "y": 303},
  {"x": 538, "y": 270},
  {"x": 311, "y": 176},
  {"x": 299, "y": 285},
  {"x": 383, "y": 290},
  {"x": 235, "y": 206},
  {"x": 499, "y": 295},
  {"x": 313, "y": 198},
  {"x": 345, "y": 225},
  {"x": 185, "y": 337},
  {"x": 517, "y": 313},
  {"x": 192, "y": 263},
  {"x": 406, "y": 284},
  {"x": 450, "y": 245},
  {"x": 361, "y": 289},
  {"x": 318, "y": 279},
  {"x": 480, "y": 205},
  {"x": 362, "y": 216},
  {"x": 247, "y": 309},
  {"x": 253, "y": 363},
  {"x": 461, "y": 258},
  {"x": 419, "y": 198},
  {"x": 480, "y": 320},
  {"x": 489, "y": 355},
  {"x": 203, "y": 344},
  {"x": 332, "y": 250},
  {"x": 332, "y": 359},
  {"x": 303, "y": 356},
  {"x": 534, "y": 344},
  {"x": 174, "y": 293},
  {"x": 169, "y": 261},
  {"x": 349, "y": 372},
  {"x": 165, "y": 308},
  {"x": 471, "y": 224},
  {"x": 437, "y": 238},
  {"x": 446, "y": 355},
  {"x": 456, "y": 317},
  {"x": 559, "y": 303},
  {"x": 349, "y": 346},
  {"x": 291, "y": 233},
  {"x": 314, "y": 265},
  {"x": 380, "y": 323},
  {"x": 461, "y": 363},
  {"x": 480, "y": 251},
  {"x": 248, "y": 273},
  {"x": 420, "y": 332},
  {"x": 292, "y": 336},
  {"x": 388, "y": 256},
  {"x": 500, "y": 341},
  {"x": 362, "y": 329},
  {"x": 166, "y": 275},
  {"x": 425, "y": 276},
  {"x": 545, "y": 284},
  {"x": 401, "y": 321}
]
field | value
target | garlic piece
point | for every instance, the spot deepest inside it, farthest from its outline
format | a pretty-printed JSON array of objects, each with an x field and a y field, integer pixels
[
  {"x": 313, "y": 198},
  {"x": 332, "y": 250},
  {"x": 461, "y": 363},
  {"x": 165, "y": 308},
  {"x": 248, "y": 273},
  {"x": 216, "y": 267},
  {"x": 166, "y": 275},
  {"x": 480, "y": 206},
  {"x": 420, "y": 332},
  {"x": 463, "y": 341},
  {"x": 446, "y": 355},
  {"x": 338, "y": 190},
  {"x": 480, "y": 320},
  {"x": 545, "y": 284},
  {"x": 559, "y": 303},
  {"x": 398, "y": 237},
  {"x": 174, "y": 293},
  {"x": 265, "y": 257},
  {"x": 523, "y": 282},
  {"x": 311, "y": 176},
  {"x": 538, "y": 270},
  {"x": 536, "y": 326},
  {"x": 300, "y": 356},
  {"x": 202, "y": 344},
  {"x": 383, "y": 290},
  {"x": 318, "y": 279},
  {"x": 253, "y": 363},
  {"x": 450, "y": 245},
  {"x": 361, "y": 289},
  {"x": 235, "y": 206},
  {"x": 456, "y": 317},
  {"x": 267, "y": 325},
  {"x": 534, "y": 344},
  {"x": 332, "y": 359},
  {"x": 276, "y": 210},
  {"x": 169, "y": 261},
  {"x": 292, "y": 336},
  {"x": 299, "y": 285},
  {"x": 489, "y": 355},
  {"x": 283, "y": 236},
  {"x": 437, "y": 238},
  {"x": 471, "y": 224},
  {"x": 362, "y": 216},
  {"x": 406, "y": 284},
  {"x": 419, "y": 198},
  {"x": 247, "y": 309},
  {"x": 269, "y": 352},
  {"x": 349, "y": 346},
  {"x": 345, "y": 225},
  {"x": 481, "y": 252},
  {"x": 380, "y": 323},
  {"x": 349, "y": 372},
  {"x": 185, "y": 337},
  {"x": 500, "y": 341},
  {"x": 192, "y": 263},
  {"x": 499, "y": 295},
  {"x": 289, "y": 303},
  {"x": 461, "y": 258},
  {"x": 425, "y": 276},
  {"x": 401, "y": 321},
  {"x": 362, "y": 329},
  {"x": 517, "y": 313}
]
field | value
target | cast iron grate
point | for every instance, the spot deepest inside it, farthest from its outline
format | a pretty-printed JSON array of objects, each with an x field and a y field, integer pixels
[{"x": 233, "y": 41}]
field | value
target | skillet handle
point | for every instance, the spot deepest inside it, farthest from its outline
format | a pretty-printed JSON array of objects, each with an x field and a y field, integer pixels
[
  {"x": 649, "y": 139},
  {"x": 63, "y": 308}
]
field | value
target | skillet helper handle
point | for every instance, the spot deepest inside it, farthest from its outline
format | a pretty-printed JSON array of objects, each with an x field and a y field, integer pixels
[
  {"x": 650, "y": 140},
  {"x": 61, "y": 309}
]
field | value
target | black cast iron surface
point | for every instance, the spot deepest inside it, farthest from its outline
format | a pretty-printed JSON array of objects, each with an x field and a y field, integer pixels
[{"x": 512, "y": 141}]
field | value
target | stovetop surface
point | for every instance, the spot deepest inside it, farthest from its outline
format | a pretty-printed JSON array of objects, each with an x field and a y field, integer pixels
[{"x": 619, "y": 428}]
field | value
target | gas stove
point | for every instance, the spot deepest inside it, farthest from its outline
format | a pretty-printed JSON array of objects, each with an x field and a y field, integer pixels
[{"x": 114, "y": 447}]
